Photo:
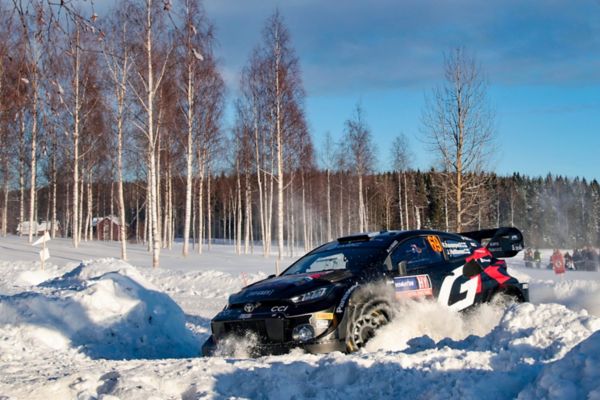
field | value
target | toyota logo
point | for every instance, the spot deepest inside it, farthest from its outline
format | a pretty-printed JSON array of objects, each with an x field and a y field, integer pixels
[{"x": 249, "y": 307}]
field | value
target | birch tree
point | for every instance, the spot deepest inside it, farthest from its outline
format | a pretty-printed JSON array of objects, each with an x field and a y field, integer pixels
[
  {"x": 361, "y": 154},
  {"x": 401, "y": 161},
  {"x": 151, "y": 65},
  {"x": 458, "y": 125},
  {"x": 117, "y": 55}
]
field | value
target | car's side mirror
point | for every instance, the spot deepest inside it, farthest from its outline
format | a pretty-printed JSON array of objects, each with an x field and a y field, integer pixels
[
  {"x": 271, "y": 276},
  {"x": 402, "y": 268},
  {"x": 471, "y": 269}
]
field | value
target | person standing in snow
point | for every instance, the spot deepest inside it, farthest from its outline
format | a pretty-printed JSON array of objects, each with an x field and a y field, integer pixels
[
  {"x": 569, "y": 262},
  {"x": 537, "y": 258},
  {"x": 528, "y": 257},
  {"x": 558, "y": 262}
]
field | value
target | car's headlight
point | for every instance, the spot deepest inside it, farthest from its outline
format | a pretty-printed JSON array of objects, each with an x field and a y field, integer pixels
[{"x": 312, "y": 295}]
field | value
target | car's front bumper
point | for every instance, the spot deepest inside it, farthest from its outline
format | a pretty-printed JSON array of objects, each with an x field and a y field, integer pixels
[
  {"x": 272, "y": 334},
  {"x": 210, "y": 348}
]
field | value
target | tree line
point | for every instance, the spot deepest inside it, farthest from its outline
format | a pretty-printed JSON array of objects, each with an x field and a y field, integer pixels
[{"x": 123, "y": 115}]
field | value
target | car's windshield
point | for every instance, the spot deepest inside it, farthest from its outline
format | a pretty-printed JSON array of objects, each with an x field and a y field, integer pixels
[{"x": 350, "y": 258}]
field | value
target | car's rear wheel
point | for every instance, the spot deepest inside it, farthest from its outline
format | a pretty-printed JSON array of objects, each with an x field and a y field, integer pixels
[
  {"x": 367, "y": 319},
  {"x": 507, "y": 298}
]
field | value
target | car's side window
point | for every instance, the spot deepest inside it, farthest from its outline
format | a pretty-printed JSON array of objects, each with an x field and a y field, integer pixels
[{"x": 417, "y": 252}]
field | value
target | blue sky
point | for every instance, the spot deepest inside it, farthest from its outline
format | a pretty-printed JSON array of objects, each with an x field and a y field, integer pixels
[{"x": 541, "y": 58}]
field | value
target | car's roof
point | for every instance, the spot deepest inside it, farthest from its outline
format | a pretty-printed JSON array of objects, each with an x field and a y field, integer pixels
[{"x": 382, "y": 238}]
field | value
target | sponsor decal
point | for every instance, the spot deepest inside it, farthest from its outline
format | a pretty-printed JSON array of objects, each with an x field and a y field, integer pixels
[
  {"x": 458, "y": 252},
  {"x": 413, "y": 286},
  {"x": 455, "y": 245},
  {"x": 322, "y": 324},
  {"x": 324, "y": 315},
  {"x": 261, "y": 292},
  {"x": 457, "y": 248},
  {"x": 279, "y": 309},
  {"x": 245, "y": 316},
  {"x": 468, "y": 288},
  {"x": 340, "y": 307},
  {"x": 435, "y": 243}
]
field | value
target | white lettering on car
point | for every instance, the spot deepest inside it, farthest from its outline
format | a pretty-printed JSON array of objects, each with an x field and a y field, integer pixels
[{"x": 340, "y": 308}]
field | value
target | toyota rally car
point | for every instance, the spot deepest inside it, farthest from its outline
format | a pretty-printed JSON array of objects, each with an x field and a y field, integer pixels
[{"x": 338, "y": 295}]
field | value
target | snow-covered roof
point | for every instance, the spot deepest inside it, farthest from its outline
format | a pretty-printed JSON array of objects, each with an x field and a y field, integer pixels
[
  {"x": 37, "y": 226},
  {"x": 112, "y": 218}
]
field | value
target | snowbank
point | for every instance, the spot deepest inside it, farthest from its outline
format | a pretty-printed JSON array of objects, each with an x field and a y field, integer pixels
[
  {"x": 105, "y": 309},
  {"x": 575, "y": 376}
]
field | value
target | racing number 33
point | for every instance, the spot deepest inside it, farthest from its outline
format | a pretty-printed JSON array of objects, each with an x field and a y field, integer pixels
[{"x": 435, "y": 243}]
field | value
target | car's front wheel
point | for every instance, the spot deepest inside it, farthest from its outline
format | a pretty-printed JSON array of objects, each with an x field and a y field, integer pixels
[{"x": 366, "y": 320}]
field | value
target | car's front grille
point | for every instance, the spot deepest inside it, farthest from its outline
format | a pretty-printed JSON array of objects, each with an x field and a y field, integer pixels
[{"x": 242, "y": 328}]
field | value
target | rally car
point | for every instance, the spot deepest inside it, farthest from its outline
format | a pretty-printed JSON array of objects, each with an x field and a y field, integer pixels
[{"x": 336, "y": 297}]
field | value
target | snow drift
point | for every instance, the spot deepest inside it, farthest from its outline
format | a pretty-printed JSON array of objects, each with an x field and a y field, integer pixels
[{"x": 105, "y": 309}]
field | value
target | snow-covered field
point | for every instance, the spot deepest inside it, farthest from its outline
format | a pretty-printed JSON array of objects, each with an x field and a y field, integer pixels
[{"x": 93, "y": 327}]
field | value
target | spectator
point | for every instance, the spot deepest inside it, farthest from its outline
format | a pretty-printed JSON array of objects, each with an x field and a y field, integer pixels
[
  {"x": 577, "y": 258},
  {"x": 537, "y": 258},
  {"x": 528, "y": 257},
  {"x": 569, "y": 262},
  {"x": 558, "y": 262}
]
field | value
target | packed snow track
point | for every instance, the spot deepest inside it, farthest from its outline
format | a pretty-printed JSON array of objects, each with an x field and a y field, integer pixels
[{"x": 105, "y": 329}]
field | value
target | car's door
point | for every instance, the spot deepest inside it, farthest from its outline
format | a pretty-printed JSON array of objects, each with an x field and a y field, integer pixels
[
  {"x": 455, "y": 289},
  {"x": 413, "y": 262}
]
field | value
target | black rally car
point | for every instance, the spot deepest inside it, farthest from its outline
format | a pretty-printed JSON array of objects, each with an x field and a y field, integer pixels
[{"x": 336, "y": 296}]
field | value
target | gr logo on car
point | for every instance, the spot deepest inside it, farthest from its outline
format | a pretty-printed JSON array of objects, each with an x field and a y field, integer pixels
[{"x": 279, "y": 309}]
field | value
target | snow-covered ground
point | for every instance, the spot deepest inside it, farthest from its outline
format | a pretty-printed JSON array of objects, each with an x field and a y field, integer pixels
[{"x": 92, "y": 327}]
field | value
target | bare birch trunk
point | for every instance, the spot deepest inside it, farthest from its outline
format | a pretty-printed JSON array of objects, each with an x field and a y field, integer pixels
[
  {"x": 54, "y": 225},
  {"x": 304, "y": 225},
  {"x": 201, "y": 205},
  {"x": 261, "y": 200},
  {"x": 208, "y": 209},
  {"x": 151, "y": 140},
  {"x": 406, "y": 202},
  {"x": 120, "y": 191},
  {"x": 67, "y": 212},
  {"x": 361, "y": 205},
  {"x": 189, "y": 161},
  {"x": 32, "y": 189},
  {"x": 248, "y": 212},
  {"x": 76, "y": 220},
  {"x": 329, "y": 236},
  {"x": 341, "y": 216},
  {"x": 238, "y": 241},
  {"x": 400, "y": 210},
  {"x": 293, "y": 222},
  {"x": 112, "y": 211},
  {"x": 21, "y": 172}
]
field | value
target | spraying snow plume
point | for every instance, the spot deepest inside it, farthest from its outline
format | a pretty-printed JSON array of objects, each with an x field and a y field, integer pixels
[
  {"x": 419, "y": 322},
  {"x": 237, "y": 346}
]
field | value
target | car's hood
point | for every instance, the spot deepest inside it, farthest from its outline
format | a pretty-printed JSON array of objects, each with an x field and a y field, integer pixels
[{"x": 287, "y": 286}]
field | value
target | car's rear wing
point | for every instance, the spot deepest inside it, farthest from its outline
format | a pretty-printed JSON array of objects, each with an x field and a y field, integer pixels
[{"x": 501, "y": 242}]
